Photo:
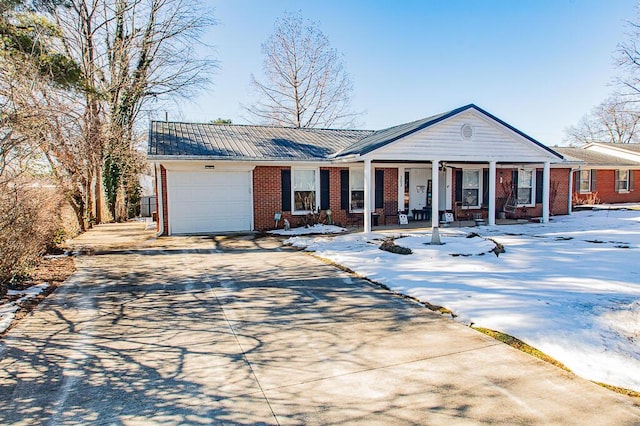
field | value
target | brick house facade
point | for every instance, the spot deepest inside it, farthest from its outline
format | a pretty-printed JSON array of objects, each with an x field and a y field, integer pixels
[
  {"x": 221, "y": 178},
  {"x": 605, "y": 173}
]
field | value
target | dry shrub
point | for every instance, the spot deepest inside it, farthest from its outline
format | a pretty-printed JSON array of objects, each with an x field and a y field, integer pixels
[
  {"x": 389, "y": 245},
  {"x": 585, "y": 199},
  {"x": 29, "y": 223}
]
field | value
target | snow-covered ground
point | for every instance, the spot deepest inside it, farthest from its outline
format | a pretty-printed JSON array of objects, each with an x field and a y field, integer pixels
[
  {"x": 314, "y": 229},
  {"x": 8, "y": 310},
  {"x": 570, "y": 288}
]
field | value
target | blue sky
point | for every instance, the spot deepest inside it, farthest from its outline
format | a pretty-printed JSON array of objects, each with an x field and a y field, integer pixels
[{"x": 539, "y": 65}]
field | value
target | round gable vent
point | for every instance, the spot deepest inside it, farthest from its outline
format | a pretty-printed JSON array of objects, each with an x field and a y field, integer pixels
[{"x": 466, "y": 131}]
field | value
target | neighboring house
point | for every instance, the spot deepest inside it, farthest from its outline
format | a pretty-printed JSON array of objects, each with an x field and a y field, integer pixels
[
  {"x": 607, "y": 173},
  {"x": 220, "y": 178}
]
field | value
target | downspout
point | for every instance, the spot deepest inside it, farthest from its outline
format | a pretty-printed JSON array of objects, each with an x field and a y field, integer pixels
[{"x": 160, "y": 196}]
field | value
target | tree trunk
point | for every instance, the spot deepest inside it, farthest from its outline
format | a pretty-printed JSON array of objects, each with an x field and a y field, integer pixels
[
  {"x": 98, "y": 195},
  {"x": 79, "y": 210}
]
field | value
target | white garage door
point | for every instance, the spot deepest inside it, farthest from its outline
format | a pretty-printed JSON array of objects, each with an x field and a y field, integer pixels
[{"x": 209, "y": 202}]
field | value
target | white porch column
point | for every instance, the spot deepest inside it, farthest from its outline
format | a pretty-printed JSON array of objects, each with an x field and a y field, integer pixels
[
  {"x": 435, "y": 186},
  {"x": 569, "y": 205},
  {"x": 546, "y": 182},
  {"x": 367, "y": 196},
  {"x": 492, "y": 193}
]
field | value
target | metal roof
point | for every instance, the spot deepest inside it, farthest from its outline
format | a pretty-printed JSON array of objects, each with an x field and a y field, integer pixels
[
  {"x": 386, "y": 136},
  {"x": 593, "y": 158},
  {"x": 243, "y": 142}
]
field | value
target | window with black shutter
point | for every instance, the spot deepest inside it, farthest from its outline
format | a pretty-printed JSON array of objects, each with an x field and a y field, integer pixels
[
  {"x": 344, "y": 189},
  {"x": 285, "y": 181},
  {"x": 379, "y": 191},
  {"x": 324, "y": 189}
]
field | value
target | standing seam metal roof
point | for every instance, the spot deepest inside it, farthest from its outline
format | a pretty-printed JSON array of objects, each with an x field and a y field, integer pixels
[
  {"x": 243, "y": 142},
  {"x": 231, "y": 141}
]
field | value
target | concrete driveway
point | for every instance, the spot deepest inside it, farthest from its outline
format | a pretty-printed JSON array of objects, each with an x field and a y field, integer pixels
[{"x": 239, "y": 331}]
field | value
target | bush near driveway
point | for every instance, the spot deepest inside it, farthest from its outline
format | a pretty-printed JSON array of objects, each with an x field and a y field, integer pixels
[{"x": 30, "y": 220}]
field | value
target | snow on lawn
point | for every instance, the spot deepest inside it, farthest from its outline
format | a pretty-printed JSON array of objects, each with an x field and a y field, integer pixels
[
  {"x": 8, "y": 310},
  {"x": 314, "y": 229},
  {"x": 570, "y": 288}
]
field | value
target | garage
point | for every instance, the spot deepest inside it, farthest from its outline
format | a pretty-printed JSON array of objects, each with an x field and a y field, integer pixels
[{"x": 209, "y": 201}]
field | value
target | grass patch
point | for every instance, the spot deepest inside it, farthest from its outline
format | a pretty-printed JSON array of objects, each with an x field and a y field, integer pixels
[
  {"x": 618, "y": 389},
  {"x": 521, "y": 346}
]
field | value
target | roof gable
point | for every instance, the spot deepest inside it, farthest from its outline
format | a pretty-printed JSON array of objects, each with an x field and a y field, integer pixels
[
  {"x": 435, "y": 137},
  {"x": 383, "y": 138}
]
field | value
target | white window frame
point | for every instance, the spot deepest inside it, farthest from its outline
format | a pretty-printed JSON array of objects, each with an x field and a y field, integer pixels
[
  {"x": 316, "y": 172},
  {"x": 480, "y": 193},
  {"x": 351, "y": 189},
  {"x": 618, "y": 181},
  {"x": 581, "y": 179},
  {"x": 532, "y": 188}
]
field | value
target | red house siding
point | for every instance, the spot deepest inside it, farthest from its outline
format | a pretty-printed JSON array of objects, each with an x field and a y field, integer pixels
[
  {"x": 606, "y": 191},
  {"x": 267, "y": 196},
  {"x": 559, "y": 193}
]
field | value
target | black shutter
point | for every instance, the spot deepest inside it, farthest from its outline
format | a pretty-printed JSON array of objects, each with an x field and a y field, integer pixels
[
  {"x": 379, "y": 193},
  {"x": 285, "y": 180},
  {"x": 539, "y": 185},
  {"x": 344, "y": 189},
  {"x": 593, "y": 181},
  {"x": 485, "y": 187},
  {"x": 324, "y": 189},
  {"x": 514, "y": 185},
  {"x": 458, "y": 186}
]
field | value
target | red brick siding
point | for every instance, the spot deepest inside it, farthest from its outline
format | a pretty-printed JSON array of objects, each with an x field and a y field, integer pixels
[
  {"x": 338, "y": 216},
  {"x": 560, "y": 204},
  {"x": 267, "y": 195},
  {"x": 559, "y": 179},
  {"x": 605, "y": 188}
]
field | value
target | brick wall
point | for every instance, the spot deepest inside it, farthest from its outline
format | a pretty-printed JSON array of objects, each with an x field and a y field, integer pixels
[
  {"x": 605, "y": 189},
  {"x": 267, "y": 196},
  {"x": 559, "y": 193},
  {"x": 560, "y": 180}
]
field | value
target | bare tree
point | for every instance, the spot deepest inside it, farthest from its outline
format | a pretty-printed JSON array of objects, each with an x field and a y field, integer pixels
[
  {"x": 614, "y": 120},
  {"x": 628, "y": 59},
  {"x": 305, "y": 84},
  {"x": 132, "y": 52}
]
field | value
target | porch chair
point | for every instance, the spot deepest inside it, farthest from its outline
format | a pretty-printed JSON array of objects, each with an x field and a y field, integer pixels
[{"x": 511, "y": 205}]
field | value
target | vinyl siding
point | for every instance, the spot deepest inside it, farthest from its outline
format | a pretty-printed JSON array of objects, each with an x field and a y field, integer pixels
[{"x": 444, "y": 141}]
